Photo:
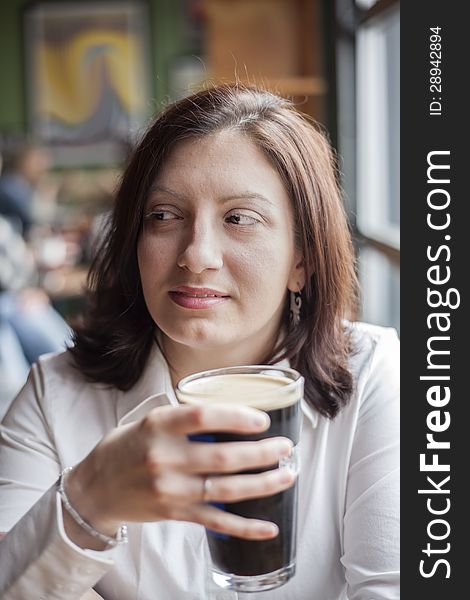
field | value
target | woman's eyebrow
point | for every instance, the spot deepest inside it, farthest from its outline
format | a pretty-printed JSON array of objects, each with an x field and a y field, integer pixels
[
  {"x": 160, "y": 188},
  {"x": 246, "y": 195}
]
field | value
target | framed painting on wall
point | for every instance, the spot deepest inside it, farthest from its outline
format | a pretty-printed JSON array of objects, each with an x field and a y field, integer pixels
[{"x": 88, "y": 85}]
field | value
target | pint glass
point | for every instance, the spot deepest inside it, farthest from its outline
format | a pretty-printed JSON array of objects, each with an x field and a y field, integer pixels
[{"x": 239, "y": 564}]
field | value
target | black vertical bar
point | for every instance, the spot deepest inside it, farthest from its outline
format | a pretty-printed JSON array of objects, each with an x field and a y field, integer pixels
[{"x": 435, "y": 269}]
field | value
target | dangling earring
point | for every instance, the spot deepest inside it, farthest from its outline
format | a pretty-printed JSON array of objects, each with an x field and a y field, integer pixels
[{"x": 295, "y": 306}]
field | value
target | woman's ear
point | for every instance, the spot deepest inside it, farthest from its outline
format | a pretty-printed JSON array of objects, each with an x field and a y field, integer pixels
[{"x": 296, "y": 280}]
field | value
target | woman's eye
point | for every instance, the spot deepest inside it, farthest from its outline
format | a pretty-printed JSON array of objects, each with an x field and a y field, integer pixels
[
  {"x": 240, "y": 219},
  {"x": 161, "y": 215}
]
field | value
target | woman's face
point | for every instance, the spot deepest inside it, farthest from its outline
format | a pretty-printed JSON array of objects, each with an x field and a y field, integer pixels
[{"x": 216, "y": 254}]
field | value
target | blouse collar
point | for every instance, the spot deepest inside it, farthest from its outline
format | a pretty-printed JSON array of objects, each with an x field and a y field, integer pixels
[{"x": 156, "y": 389}]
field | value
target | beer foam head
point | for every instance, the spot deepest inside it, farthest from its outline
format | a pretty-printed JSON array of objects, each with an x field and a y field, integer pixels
[{"x": 266, "y": 391}]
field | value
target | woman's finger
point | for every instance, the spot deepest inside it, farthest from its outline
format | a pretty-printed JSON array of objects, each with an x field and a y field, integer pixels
[
  {"x": 230, "y": 457},
  {"x": 176, "y": 452},
  {"x": 173, "y": 488},
  {"x": 244, "y": 487},
  {"x": 224, "y": 522},
  {"x": 196, "y": 419}
]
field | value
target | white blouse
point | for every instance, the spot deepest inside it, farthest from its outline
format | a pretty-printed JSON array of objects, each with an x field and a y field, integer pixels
[{"x": 348, "y": 526}]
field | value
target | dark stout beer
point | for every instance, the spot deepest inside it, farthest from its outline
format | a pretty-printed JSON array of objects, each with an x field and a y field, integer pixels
[{"x": 248, "y": 564}]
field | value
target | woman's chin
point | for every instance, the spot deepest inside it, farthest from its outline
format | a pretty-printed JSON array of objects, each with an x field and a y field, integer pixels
[{"x": 197, "y": 338}]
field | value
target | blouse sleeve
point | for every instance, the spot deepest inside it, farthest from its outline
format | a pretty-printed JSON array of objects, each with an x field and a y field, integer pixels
[
  {"x": 371, "y": 520},
  {"x": 36, "y": 553}
]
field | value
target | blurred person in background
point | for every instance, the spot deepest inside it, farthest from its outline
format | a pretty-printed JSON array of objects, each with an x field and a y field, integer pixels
[
  {"x": 24, "y": 166},
  {"x": 30, "y": 325}
]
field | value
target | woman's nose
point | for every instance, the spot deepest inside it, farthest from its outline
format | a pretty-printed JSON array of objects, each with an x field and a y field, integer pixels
[{"x": 201, "y": 250}]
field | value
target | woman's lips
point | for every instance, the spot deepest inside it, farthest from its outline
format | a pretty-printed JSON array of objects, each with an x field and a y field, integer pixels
[{"x": 197, "y": 298}]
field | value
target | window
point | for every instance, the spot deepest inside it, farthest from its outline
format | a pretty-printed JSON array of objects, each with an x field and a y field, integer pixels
[
  {"x": 380, "y": 283},
  {"x": 368, "y": 38},
  {"x": 378, "y": 127}
]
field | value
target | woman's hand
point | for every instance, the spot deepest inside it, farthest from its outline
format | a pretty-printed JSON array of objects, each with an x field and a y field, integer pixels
[{"x": 149, "y": 471}]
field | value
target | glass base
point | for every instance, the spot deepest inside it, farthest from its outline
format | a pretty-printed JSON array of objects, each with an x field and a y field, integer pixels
[{"x": 254, "y": 583}]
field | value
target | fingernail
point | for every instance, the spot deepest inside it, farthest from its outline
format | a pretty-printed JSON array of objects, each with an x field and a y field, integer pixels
[
  {"x": 286, "y": 447},
  {"x": 285, "y": 475},
  {"x": 261, "y": 420},
  {"x": 270, "y": 529}
]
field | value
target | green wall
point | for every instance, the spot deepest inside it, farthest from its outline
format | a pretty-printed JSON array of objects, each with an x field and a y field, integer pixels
[
  {"x": 12, "y": 99},
  {"x": 166, "y": 42}
]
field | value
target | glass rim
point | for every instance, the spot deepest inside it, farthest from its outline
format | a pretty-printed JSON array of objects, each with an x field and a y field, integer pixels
[{"x": 295, "y": 377}]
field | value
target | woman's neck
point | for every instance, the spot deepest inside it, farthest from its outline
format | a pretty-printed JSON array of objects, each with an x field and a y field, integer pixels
[{"x": 184, "y": 360}]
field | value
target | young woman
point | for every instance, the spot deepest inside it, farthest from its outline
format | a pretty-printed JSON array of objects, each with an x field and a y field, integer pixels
[{"x": 228, "y": 211}]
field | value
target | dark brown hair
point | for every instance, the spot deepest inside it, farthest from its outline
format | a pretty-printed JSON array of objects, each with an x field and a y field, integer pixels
[{"x": 113, "y": 341}]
